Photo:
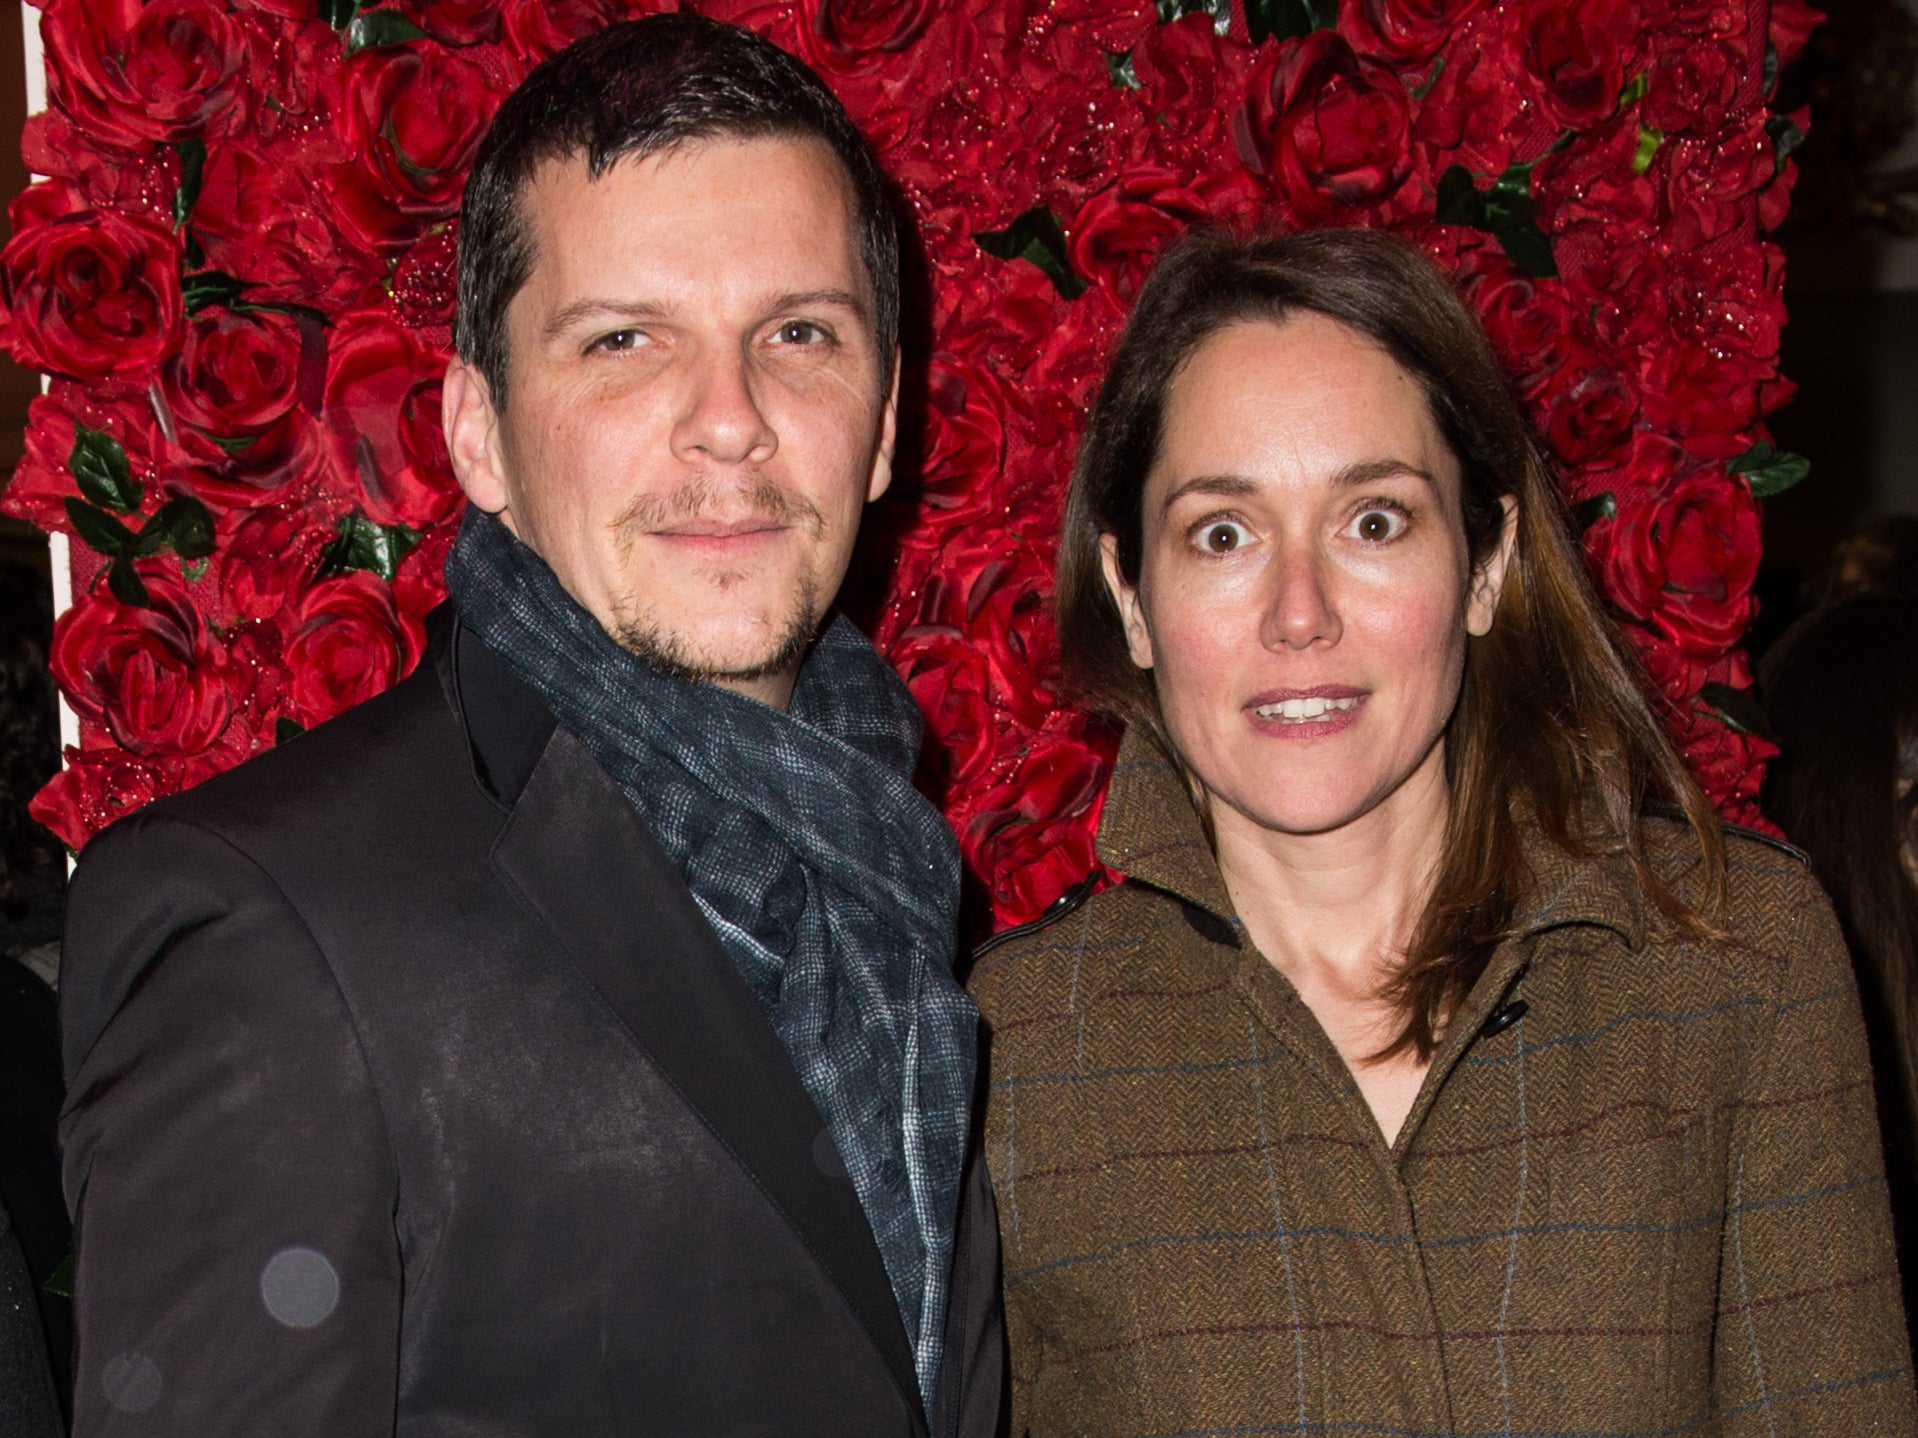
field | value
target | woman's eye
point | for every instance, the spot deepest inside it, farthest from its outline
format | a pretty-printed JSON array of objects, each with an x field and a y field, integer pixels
[
  {"x": 1221, "y": 536},
  {"x": 1378, "y": 525}
]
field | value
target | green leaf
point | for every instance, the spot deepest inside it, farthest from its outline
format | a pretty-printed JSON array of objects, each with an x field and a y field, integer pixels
[
  {"x": 1219, "y": 10},
  {"x": 1036, "y": 238},
  {"x": 235, "y": 443},
  {"x": 192, "y": 167},
  {"x": 211, "y": 287},
  {"x": 182, "y": 525},
  {"x": 98, "y": 530},
  {"x": 1119, "y": 70},
  {"x": 194, "y": 571},
  {"x": 1588, "y": 512},
  {"x": 1768, "y": 469},
  {"x": 98, "y": 462},
  {"x": 60, "y": 1282},
  {"x": 339, "y": 13},
  {"x": 1459, "y": 202},
  {"x": 1740, "y": 710},
  {"x": 1785, "y": 137},
  {"x": 362, "y": 544},
  {"x": 372, "y": 29},
  {"x": 127, "y": 586},
  {"x": 1770, "y": 77},
  {"x": 1648, "y": 142},
  {"x": 285, "y": 729},
  {"x": 1286, "y": 19},
  {"x": 195, "y": 255},
  {"x": 1635, "y": 89},
  {"x": 1506, "y": 211},
  {"x": 1527, "y": 247},
  {"x": 1424, "y": 87}
]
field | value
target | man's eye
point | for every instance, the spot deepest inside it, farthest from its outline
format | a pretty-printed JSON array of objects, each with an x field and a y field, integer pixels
[
  {"x": 1378, "y": 525},
  {"x": 801, "y": 332},
  {"x": 1221, "y": 536},
  {"x": 618, "y": 340}
]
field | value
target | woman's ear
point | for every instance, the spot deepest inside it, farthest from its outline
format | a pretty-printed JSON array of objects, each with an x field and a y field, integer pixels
[
  {"x": 1138, "y": 637},
  {"x": 1488, "y": 580}
]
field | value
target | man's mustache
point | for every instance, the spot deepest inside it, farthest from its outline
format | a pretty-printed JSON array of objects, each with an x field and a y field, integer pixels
[{"x": 750, "y": 497}]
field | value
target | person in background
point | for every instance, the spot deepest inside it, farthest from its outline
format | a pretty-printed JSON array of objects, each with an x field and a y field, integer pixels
[
  {"x": 1420, "y": 1077},
  {"x": 36, "y": 1325},
  {"x": 565, "y": 1041},
  {"x": 1841, "y": 689}
]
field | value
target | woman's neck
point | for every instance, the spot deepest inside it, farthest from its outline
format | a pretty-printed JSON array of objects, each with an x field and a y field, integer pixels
[{"x": 1335, "y": 912}]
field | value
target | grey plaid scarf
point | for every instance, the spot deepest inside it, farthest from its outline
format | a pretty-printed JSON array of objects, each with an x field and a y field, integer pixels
[{"x": 830, "y": 880}]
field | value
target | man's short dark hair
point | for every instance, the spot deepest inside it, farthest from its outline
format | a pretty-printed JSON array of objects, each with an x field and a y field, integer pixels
[{"x": 632, "y": 90}]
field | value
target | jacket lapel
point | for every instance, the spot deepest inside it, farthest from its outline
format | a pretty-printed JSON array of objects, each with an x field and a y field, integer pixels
[{"x": 592, "y": 872}]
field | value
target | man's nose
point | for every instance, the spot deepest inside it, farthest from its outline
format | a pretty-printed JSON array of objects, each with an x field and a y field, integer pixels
[
  {"x": 721, "y": 419},
  {"x": 1301, "y": 609}
]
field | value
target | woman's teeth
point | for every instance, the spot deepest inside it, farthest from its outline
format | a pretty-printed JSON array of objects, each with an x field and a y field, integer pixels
[{"x": 1305, "y": 711}]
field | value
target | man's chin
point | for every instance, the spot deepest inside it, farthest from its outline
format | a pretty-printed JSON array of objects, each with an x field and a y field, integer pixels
[{"x": 719, "y": 660}]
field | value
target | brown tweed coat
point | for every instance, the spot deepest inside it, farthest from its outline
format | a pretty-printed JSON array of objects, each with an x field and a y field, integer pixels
[{"x": 1639, "y": 1194}]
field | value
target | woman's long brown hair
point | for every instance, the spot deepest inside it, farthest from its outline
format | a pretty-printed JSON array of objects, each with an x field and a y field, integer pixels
[{"x": 1552, "y": 726}]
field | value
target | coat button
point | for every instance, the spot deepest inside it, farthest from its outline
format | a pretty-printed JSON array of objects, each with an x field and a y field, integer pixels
[{"x": 1503, "y": 1017}]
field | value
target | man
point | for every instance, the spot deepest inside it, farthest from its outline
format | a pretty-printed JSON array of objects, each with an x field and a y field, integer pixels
[{"x": 565, "y": 1041}]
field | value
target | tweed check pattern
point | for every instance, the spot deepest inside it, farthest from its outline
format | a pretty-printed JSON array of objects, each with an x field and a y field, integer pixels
[
  {"x": 1649, "y": 1203},
  {"x": 831, "y": 881}
]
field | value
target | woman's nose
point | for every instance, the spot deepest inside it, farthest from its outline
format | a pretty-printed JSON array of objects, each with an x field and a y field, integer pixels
[
  {"x": 1300, "y": 609},
  {"x": 721, "y": 420}
]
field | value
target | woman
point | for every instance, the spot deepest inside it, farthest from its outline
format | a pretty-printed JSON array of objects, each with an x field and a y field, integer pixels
[{"x": 1417, "y": 1080}]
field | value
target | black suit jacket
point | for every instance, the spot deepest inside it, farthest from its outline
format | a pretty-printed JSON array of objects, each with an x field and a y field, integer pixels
[{"x": 410, "y": 1093}]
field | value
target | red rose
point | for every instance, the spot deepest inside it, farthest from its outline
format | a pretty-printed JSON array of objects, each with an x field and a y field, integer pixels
[
  {"x": 425, "y": 282},
  {"x": 1331, "y": 127},
  {"x": 235, "y": 374},
  {"x": 153, "y": 675},
  {"x": 1730, "y": 768},
  {"x": 1405, "y": 30},
  {"x": 96, "y": 787},
  {"x": 100, "y": 179},
  {"x": 1120, "y": 231},
  {"x": 266, "y": 221},
  {"x": 130, "y": 74},
  {"x": 1570, "y": 46},
  {"x": 94, "y": 295},
  {"x": 1683, "y": 560},
  {"x": 535, "y": 29},
  {"x": 42, "y": 482},
  {"x": 1184, "y": 70},
  {"x": 858, "y": 32},
  {"x": 1529, "y": 322},
  {"x": 415, "y": 126},
  {"x": 1031, "y": 838},
  {"x": 965, "y": 438},
  {"x": 1712, "y": 179},
  {"x": 1475, "y": 113},
  {"x": 1690, "y": 87},
  {"x": 1790, "y": 23},
  {"x": 1590, "y": 410},
  {"x": 269, "y": 556},
  {"x": 347, "y": 642},
  {"x": 455, "y": 22},
  {"x": 1593, "y": 183},
  {"x": 383, "y": 421},
  {"x": 950, "y": 680}
]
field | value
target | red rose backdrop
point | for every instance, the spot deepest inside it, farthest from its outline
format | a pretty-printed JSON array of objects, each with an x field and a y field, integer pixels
[{"x": 239, "y": 276}]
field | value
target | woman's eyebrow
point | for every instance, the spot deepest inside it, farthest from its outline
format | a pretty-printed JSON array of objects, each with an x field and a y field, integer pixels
[{"x": 1235, "y": 486}]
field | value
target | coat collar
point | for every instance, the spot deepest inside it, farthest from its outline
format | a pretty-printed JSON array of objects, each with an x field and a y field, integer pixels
[
  {"x": 578, "y": 853},
  {"x": 1151, "y": 832}
]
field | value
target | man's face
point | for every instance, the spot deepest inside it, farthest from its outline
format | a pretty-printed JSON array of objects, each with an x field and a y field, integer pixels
[{"x": 695, "y": 412}]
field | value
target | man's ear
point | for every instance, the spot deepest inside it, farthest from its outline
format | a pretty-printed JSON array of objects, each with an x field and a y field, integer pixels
[
  {"x": 1488, "y": 580},
  {"x": 1138, "y": 638},
  {"x": 472, "y": 436},
  {"x": 881, "y": 477}
]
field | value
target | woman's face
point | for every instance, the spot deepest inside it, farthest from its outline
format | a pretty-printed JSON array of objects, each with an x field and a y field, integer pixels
[{"x": 1305, "y": 589}]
